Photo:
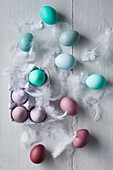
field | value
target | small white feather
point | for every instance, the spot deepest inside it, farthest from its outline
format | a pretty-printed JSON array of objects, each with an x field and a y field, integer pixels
[{"x": 93, "y": 107}]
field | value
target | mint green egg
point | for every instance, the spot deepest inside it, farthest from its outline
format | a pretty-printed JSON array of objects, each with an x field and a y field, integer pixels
[
  {"x": 49, "y": 15},
  {"x": 96, "y": 81},
  {"x": 37, "y": 77},
  {"x": 25, "y": 42}
]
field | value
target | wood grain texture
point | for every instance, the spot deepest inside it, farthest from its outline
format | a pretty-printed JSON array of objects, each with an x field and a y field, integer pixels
[
  {"x": 90, "y": 18},
  {"x": 11, "y": 155}
]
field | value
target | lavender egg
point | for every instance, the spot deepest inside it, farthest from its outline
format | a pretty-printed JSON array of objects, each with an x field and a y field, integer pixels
[
  {"x": 19, "y": 114},
  {"x": 19, "y": 96},
  {"x": 37, "y": 115}
]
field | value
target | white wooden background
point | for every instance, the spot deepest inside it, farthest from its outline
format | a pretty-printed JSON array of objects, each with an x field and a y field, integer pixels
[{"x": 88, "y": 17}]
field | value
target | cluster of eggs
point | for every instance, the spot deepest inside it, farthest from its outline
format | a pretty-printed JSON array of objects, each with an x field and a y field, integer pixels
[
  {"x": 19, "y": 97},
  {"x": 68, "y": 38},
  {"x": 37, "y": 77}
]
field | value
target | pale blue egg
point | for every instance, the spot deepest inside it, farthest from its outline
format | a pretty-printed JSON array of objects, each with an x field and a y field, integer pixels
[
  {"x": 69, "y": 38},
  {"x": 25, "y": 42},
  {"x": 96, "y": 81},
  {"x": 65, "y": 61}
]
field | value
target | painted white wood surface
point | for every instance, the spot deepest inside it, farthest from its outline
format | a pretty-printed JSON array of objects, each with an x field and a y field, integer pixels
[{"x": 87, "y": 17}]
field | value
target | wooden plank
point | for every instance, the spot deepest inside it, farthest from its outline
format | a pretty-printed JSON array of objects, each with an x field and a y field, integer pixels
[
  {"x": 91, "y": 18},
  {"x": 11, "y": 155}
]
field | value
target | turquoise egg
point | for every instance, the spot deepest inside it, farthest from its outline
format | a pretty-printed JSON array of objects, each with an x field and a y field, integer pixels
[
  {"x": 69, "y": 38},
  {"x": 65, "y": 61},
  {"x": 96, "y": 81},
  {"x": 37, "y": 77},
  {"x": 48, "y": 15},
  {"x": 25, "y": 42}
]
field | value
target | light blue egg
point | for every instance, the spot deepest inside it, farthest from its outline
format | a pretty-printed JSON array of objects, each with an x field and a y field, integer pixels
[
  {"x": 96, "y": 81},
  {"x": 48, "y": 15},
  {"x": 65, "y": 61},
  {"x": 25, "y": 42},
  {"x": 69, "y": 38}
]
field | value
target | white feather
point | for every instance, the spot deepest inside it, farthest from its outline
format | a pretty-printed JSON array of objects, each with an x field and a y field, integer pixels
[
  {"x": 100, "y": 49},
  {"x": 30, "y": 25},
  {"x": 89, "y": 55},
  {"x": 92, "y": 106},
  {"x": 62, "y": 146}
]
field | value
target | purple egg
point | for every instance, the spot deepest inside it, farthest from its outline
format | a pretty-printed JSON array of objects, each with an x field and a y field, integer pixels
[
  {"x": 19, "y": 114},
  {"x": 37, "y": 115},
  {"x": 19, "y": 96}
]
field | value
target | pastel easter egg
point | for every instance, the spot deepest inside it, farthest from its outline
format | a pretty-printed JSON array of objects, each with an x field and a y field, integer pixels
[
  {"x": 37, "y": 115},
  {"x": 48, "y": 15},
  {"x": 38, "y": 154},
  {"x": 65, "y": 61},
  {"x": 19, "y": 114},
  {"x": 69, "y": 38},
  {"x": 37, "y": 77},
  {"x": 19, "y": 96},
  {"x": 25, "y": 42},
  {"x": 68, "y": 105},
  {"x": 81, "y": 139},
  {"x": 96, "y": 81}
]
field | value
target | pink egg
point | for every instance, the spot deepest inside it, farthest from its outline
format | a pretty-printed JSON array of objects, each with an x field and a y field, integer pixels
[
  {"x": 19, "y": 96},
  {"x": 37, "y": 115},
  {"x": 19, "y": 114},
  {"x": 81, "y": 139},
  {"x": 68, "y": 105}
]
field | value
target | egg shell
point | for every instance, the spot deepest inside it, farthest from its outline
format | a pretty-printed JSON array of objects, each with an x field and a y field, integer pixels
[
  {"x": 19, "y": 96},
  {"x": 48, "y": 15},
  {"x": 81, "y": 139},
  {"x": 96, "y": 81},
  {"x": 69, "y": 38},
  {"x": 37, "y": 115},
  {"x": 37, "y": 77},
  {"x": 25, "y": 42},
  {"x": 68, "y": 105},
  {"x": 65, "y": 61},
  {"x": 19, "y": 114},
  {"x": 38, "y": 154}
]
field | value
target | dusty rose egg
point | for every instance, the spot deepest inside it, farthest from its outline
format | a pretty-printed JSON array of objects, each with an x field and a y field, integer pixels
[
  {"x": 69, "y": 105},
  {"x": 37, "y": 115},
  {"x": 19, "y": 114},
  {"x": 81, "y": 139},
  {"x": 19, "y": 96},
  {"x": 38, "y": 154}
]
